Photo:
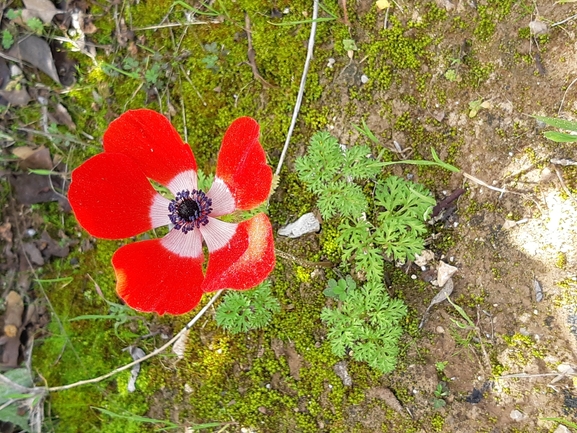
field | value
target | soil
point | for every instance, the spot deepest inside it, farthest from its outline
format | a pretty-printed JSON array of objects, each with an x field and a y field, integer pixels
[
  {"x": 515, "y": 250},
  {"x": 498, "y": 264},
  {"x": 502, "y": 266}
]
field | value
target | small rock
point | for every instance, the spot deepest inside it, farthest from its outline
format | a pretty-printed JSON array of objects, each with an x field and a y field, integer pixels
[
  {"x": 440, "y": 330},
  {"x": 538, "y": 28},
  {"x": 308, "y": 223},
  {"x": 341, "y": 371},
  {"x": 562, "y": 429},
  {"x": 517, "y": 415},
  {"x": 445, "y": 272},
  {"x": 424, "y": 258}
]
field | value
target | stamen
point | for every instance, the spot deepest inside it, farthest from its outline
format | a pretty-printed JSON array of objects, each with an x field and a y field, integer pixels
[{"x": 189, "y": 210}]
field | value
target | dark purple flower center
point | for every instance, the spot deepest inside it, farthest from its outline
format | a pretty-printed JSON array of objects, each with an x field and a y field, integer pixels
[{"x": 189, "y": 210}]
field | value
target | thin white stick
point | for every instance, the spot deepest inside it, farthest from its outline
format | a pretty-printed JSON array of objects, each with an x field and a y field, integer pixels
[
  {"x": 144, "y": 358},
  {"x": 302, "y": 86},
  {"x": 565, "y": 94}
]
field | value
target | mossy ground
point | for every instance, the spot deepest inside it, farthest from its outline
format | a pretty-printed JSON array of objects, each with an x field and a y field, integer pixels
[{"x": 200, "y": 76}]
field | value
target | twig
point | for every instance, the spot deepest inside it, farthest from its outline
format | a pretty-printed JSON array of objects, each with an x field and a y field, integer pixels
[
  {"x": 565, "y": 94},
  {"x": 170, "y": 25},
  {"x": 302, "y": 262},
  {"x": 563, "y": 21},
  {"x": 144, "y": 358},
  {"x": 345, "y": 14},
  {"x": 252, "y": 55},
  {"x": 560, "y": 177},
  {"x": 480, "y": 182},
  {"x": 526, "y": 375},
  {"x": 299, "y": 100}
]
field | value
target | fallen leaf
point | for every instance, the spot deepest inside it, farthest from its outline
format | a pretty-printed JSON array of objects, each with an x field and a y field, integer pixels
[
  {"x": 538, "y": 288},
  {"x": 23, "y": 152},
  {"x": 6, "y": 232},
  {"x": 65, "y": 66},
  {"x": 13, "y": 314},
  {"x": 179, "y": 346},
  {"x": 36, "y": 51},
  {"x": 538, "y": 28},
  {"x": 32, "y": 188},
  {"x": 424, "y": 258},
  {"x": 340, "y": 369},
  {"x": 43, "y": 9},
  {"x": 39, "y": 159},
  {"x": 444, "y": 273},
  {"x": 123, "y": 35},
  {"x": 4, "y": 73},
  {"x": 443, "y": 294},
  {"x": 16, "y": 98},
  {"x": 4, "y": 78},
  {"x": 33, "y": 253},
  {"x": 11, "y": 350},
  {"x": 136, "y": 353},
  {"x": 50, "y": 248},
  {"x": 62, "y": 117}
]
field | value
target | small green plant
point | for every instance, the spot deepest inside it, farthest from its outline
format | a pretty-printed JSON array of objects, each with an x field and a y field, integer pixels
[
  {"x": 396, "y": 225},
  {"x": 340, "y": 289},
  {"x": 559, "y": 137},
  {"x": 439, "y": 395},
  {"x": 120, "y": 313},
  {"x": 350, "y": 45},
  {"x": 476, "y": 106},
  {"x": 162, "y": 425},
  {"x": 366, "y": 326},
  {"x": 247, "y": 310},
  {"x": 35, "y": 25},
  {"x": 451, "y": 75},
  {"x": 440, "y": 366},
  {"x": 7, "y": 39},
  {"x": 331, "y": 171},
  {"x": 152, "y": 74}
]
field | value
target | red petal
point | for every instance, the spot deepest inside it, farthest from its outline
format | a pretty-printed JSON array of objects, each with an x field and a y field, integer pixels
[
  {"x": 111, "y": 197},
  {"x": 150, "y": 139},
  {"x": 150, "y": 278},
  {"x": 242, "y": 164},
  {"x": 247, "y": 259}
]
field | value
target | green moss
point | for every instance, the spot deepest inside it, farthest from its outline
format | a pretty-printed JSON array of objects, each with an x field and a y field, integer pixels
[
  {"x": 303, "y": 275},
  {"x": 561, "y": 261},
  {"x": 395, "y": 50}
]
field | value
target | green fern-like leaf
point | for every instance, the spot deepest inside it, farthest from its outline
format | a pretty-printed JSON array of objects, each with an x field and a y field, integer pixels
[
  {"x": 358, "y": 164},
  {"x": 367, "y": 324},
  {"x": 323, "y": 161},
  {"x": 247, "y": 310},
  {"x": 342, "y": 198}
]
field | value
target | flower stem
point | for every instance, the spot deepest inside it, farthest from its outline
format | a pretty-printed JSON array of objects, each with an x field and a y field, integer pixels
[{"x": 150, "y": 355}]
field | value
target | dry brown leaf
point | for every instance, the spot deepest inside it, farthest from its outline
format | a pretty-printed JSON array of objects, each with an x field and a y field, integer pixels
[
  {"x": 62, "y": 117},
  {"x": 13, "y": 314},
  {"x": 39, "y": 159},
  {"x": 35, "y": 51},
  {"x": 23, "y": 152},
  {"x": 179, "y": 347},
  {"x": 6, "y": 232},
  {"x": 16, "y": 98},
  {"x": 33, "y": 253},
  {"x": 43, "y": 9}
]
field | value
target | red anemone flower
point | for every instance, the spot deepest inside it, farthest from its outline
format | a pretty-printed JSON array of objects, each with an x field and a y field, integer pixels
[{"x": 112, "y": 198}]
